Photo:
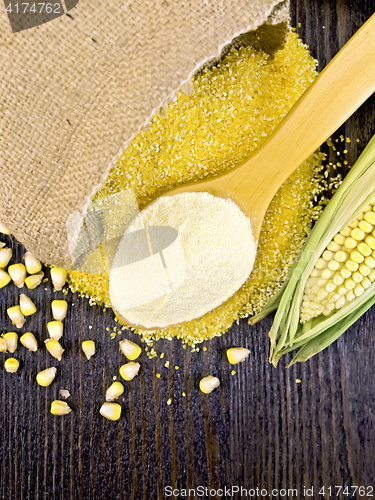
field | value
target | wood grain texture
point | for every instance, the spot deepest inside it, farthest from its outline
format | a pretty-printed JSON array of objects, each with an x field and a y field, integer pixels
[{"x": 260, "y": 429}]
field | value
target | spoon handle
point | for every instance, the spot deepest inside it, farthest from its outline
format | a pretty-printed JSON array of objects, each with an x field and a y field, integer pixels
[{"x": 344, "y": 84}]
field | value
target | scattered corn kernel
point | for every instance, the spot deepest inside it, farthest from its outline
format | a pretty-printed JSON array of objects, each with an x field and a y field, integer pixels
[
  {"x": 11, "y": 365},
  {"x": 27, "y": 305},
  {"x": 55, "y": 329},
  {"x": 130, "y": 349},
  {"x": 114, "y": 391},
  {"x": 237, "y": 354},
  {"x": 59, "y": 308},
  {"x": 33, "y": 281},
  {"x": 64, "y": 393},
  {"x": 46, "y": 377},
  {"x": 58, "y": 276},
  {"x": 11, "y": 339},
  {"x": 60, "y": 407},
  {"x": 169, "y": 401},
  {"x": 4, "y": 278},
  {"x": 112, "y": 411},
  {"x": 208, "y": 384},
  {"x": 54, "y": 348},
  {"x": 32, "y": 264},
  {"x": 5, "y": 256},
  {"x": 18, "y": 274},
  {"x": 88, "y": 347},
  {"x": 16, "y": 316},
  {"x": 130, "y": 370},
  {"x": 4, "y": 229},
  {"x": 29, "y": 341},
  {"x": 3, "y": 345}
]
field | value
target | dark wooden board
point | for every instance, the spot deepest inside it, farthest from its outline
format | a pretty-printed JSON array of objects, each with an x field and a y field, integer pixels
[{"x": 259, "y": 430}]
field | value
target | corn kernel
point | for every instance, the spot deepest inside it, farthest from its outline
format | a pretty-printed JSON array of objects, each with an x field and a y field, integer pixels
[
  {"x": 339, "y": 239},
  {"x": 330, "y": 286},
  {"x": 54, "y": 348},
  {"x": 358, "y": 290},
  {"x": 29, "y": 341},
  {"x": 58, "y": 276},
  {"x": 33, "y": 281},
  {"x": 350, "y": 296},
  {"x": 4, "y": 229},
  {"x": 341, "y": 256},
  {"x": 340, "y": 302},
  {"x": 46, "y": 377},
  {"x": 55, "y": 329},
  {"x": 130, "y": 349},
  {"x": 237, "y": 354},
  {"x": 365, "y": 226},
  {"x": 208, "y": 384},
  {"x": 327, "y": 255},
  {"x": 357, "y": 277},
  {"x": 369, "y": 262},
  {"x": 114, "y": 391},
  {"x": 354, "y": 224},
  {"x": 333, "y": 246},
  {"x": 5, "y": 256},
  {"x": 370, "y": 240},
  {"x": 16, "y": 316},
  {"x": 338, "y": 280},
  {"x": 349, "y": 284},
  {"x": 27, "y": 305},
  {"x": 112, "y": 411},
  {"x": 59, "y": 308},
  {"x": 11, "y": 365},
  {"x": 345, "y": 273},
  {"x": 371, "y": 276},
  {"x": 364, "y": 249},
  {"x": 64, "y": 393},
  {"x": 334, "y": 265},
  {"x": 32, "y": 264},
  {"x": 11, "y": 339},
  {"x": 357, "y": 257},
  {"x": 326, "y": 274},
  {"x": 346, "y": 231},
  {"x": 4, "y": 278},
  {"x": 350, "y": 243},
  {"x": 321, "y": 263},
  {"x": 3, "y": 345},
  {"x": 365, "y": 283},
  {"x": 351, "y": 265},
  {"x": 130, "y": 370},
  {"x": 18, "y": 274},
  {"x": 364, "y": 270},
  {"x": 60, "y": 407},
  {"x": 357, "y": 234},
  {"x": 88, "y": 347},
  {"x": 341, "y": 291}
]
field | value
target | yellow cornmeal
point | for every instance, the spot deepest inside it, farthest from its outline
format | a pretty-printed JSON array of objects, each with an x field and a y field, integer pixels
[{"x": 231, "y": 110}]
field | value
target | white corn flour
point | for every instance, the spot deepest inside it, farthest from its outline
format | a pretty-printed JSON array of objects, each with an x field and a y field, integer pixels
[{"x": 156, "y": 282}]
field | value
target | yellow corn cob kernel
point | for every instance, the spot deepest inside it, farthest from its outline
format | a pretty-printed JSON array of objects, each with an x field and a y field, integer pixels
[
  {"x": 18, "y": 274},
  {"x": 327, "y": 255},
  {"x": 54, "y": 348},
  {"x": 46, "y": 377},
  {"x": 350, "y": 296},
  {"x": 371, "y": 276},
  {"x": 129, "y": 370},
  {"x": 370, "y": 262},
  {"x": 114, "y": 391},
  {"x": 29, "y": 341},
  {"x": 4, "y": 229},
  {"x": 346, "y": 231},
  {"x": 357, "y": 277},
  {"x": 208, "y": 384},
  {"x": 55, "y": 329},
  {"x": 112, "y": 411},
  {"x": 11, "y": 339},
  {"x": 341, "y": 256},
  {"x": 3, "y": 345},
  {"x": 350, "y": 243},
  {"x": 364, "y": 249},
  {"x": 11, "y": 365},
  {"x": 130, "y": 349},
  {"x": 351, "y": 265},
  {"x": 354, "y": 224},
  {"x": 5, "y": 256},
  {"x": 334, "y": 265},
  {"x": 339, "y": 239},
  {"x": 338, "y": 280},
  {"x": 365, "y": 226},
  {"x": 59, "y": 308},
  {"x": 16, "y": 316},
  {"x": 58, "y": 276},
  {"x": 365, "y": 283},
  {"x": 321, "y": 264},
  {"x": 88, "y": 347},
  {"x": 60, "y": 407},
  {"x": 357, "y": 257},
  {"x": 34, "y": 280},
  {"x": 27, "y": 305},
  {"x": 64, "y": 393},
  {"x": 32, "y": 264},
  {"x": 333, "y": 246},
  {"x": 237, "y": 354},
  {"x": 357, "y": 234},
  {"x": 345, "y": 273},
  {"x": 370, "y": 240},
  {"x": 358, "y": 290},
  {"x": 4, "y": 278}
]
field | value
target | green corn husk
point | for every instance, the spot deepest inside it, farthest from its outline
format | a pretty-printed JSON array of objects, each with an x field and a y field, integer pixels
[{"x": 287, "y": 332}]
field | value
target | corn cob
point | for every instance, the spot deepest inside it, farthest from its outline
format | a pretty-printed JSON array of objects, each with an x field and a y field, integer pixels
[{"x": 344, "y": 270}]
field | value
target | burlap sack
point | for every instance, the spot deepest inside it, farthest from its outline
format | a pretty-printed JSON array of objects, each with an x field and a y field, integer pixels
[{"x": 74, "y": 91}]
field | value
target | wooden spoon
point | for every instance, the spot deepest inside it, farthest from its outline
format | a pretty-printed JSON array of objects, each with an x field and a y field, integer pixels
[{"x": 344, "y": 84}]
